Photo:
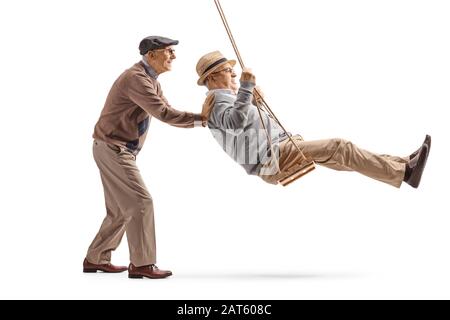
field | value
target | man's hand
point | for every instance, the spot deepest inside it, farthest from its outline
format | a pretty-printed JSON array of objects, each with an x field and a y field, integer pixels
[
  {"x": 258, "y": 95},
  {"x": 248, "y": 76},
  {"x": 207, "y": 109}
]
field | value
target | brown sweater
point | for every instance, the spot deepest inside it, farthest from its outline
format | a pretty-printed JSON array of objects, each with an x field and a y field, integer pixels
[{"x": 134, "y": 99}]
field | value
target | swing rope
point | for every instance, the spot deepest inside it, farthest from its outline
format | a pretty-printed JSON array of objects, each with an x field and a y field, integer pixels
[{"x": 262, "y": 104}]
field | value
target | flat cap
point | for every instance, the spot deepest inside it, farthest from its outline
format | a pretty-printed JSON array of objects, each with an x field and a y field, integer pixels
[{"x": 155, "y": 42}]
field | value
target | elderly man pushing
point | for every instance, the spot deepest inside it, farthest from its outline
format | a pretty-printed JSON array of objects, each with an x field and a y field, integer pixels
[{"x": 135, "y": 98}]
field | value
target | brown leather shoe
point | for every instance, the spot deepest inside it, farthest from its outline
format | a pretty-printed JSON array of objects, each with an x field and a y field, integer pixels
[
  {"x": 418, "y": 165},
  {"x": 151, "y": 272},
  {"x": 107, "y": 268}
]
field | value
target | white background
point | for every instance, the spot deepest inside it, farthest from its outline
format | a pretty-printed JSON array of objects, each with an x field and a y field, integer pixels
[{"x": 373, "y": 72}]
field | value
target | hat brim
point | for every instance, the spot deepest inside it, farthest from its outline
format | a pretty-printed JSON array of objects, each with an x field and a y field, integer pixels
[{"x": 201, "y": 81}]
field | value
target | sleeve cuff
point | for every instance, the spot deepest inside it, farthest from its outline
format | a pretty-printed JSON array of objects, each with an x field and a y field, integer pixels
[
  {"x": 198, "y": 120},
  {"x": 249, "y": 86}
]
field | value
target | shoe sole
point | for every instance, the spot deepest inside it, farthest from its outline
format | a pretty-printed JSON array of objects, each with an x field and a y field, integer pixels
[
  {"x": 427, "y": 141},
  {"x": 89, "y": 271},
  {"x": 138, "y": 276},
  {"x": 416, "y": 176},
  {"x": 100, "y": 270}
]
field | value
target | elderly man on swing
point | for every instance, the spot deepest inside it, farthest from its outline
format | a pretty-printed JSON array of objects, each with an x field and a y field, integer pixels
[{"x": 256, "y": 141}]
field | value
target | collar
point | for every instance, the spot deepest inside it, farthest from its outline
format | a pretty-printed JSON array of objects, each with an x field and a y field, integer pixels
[
  {"x": 148, "y": 69},
  {"x": 224, "y": 91}
]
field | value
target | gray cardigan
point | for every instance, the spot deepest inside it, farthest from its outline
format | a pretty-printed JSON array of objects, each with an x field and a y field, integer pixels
[{"x": 235, "y": 124}]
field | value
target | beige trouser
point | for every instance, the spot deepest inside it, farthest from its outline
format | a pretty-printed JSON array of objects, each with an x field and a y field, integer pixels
[
  {"x": 129, "y": 208},
  {"x": 339, "y": 154}
]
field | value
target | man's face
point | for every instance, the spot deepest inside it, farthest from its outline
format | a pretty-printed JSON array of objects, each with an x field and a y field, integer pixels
[
  {"x": 225, "y": 77},
  {"x": 161, "y": 59}
]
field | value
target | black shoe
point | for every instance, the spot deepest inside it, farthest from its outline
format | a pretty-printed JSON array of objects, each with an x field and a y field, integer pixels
[
  {"x": 417, "y": 165},
  {"x": 427, "y": 141}
]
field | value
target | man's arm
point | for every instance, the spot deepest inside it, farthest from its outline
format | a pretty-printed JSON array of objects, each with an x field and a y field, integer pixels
[
  {"x": 234, "y": 117},
  {"x": 142, "y": 92}
]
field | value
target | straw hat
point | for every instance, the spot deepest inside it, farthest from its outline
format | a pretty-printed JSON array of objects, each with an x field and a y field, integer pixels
[{"x": 210, "y": 63}]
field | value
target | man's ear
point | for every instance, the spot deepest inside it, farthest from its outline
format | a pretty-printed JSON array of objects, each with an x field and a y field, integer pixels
[
  {"x": 150, "y": 55},
  {"x": 209, "y": 80}
]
